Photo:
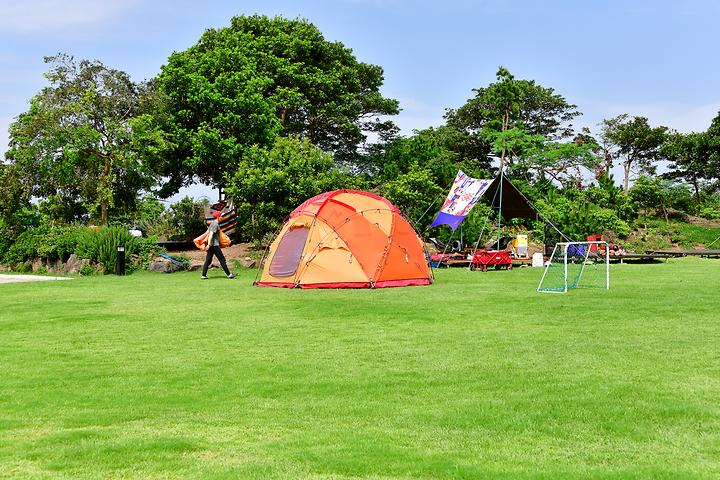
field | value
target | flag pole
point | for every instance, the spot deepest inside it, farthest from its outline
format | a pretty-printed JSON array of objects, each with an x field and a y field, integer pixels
[{"x": 500, "y": 208}]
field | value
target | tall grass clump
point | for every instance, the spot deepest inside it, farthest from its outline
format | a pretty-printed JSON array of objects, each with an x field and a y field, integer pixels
[{"x": 102, "y": 245}]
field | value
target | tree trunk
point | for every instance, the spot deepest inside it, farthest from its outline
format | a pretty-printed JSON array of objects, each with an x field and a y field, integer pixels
[
  {"x": 626, "y": 168},
  {"x": 104, "y": 192},
  {"x": 697, "y": 190},
  {"x": 506, "y": 122},
  {"x": 104, "y": 212},
  {"x": 608, "y": 163}
]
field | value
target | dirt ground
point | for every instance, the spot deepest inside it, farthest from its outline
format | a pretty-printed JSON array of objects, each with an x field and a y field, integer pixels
[{"x": 242, "y": 253}]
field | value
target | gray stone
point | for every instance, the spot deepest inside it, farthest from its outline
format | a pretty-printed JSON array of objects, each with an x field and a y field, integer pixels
[
  {"x": 163, "y": 265},
  {"x": 37, "y": 264},
  {"x": 54, "y": 266},
  {"x": 74, "y": 264},
  {"x": 248, "y": 262}
]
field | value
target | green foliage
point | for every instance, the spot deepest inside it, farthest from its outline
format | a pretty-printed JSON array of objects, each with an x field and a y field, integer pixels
[
  {"x": 187, "y": 218},
  {"x": 144, "y": 251},
  {"x": 423, "y": 150},
  {"x": 86, "y": 270},
  {"x": 4, "y": 238},
  {"x": 47, "y": 243},
  {"x": 607, "y": 195},
  {"x": 711, "y": 207},
  {"x": 695, "y": 158},
  {"x": 511, "y": 104},
  {"x": 269, "y": 184},
  {"x": 657, "y": 196},
  {"x": 577, "y": 217},
  {"x": 150, "y": 211},
  {"x": 685, "y": 235},
  {"x": 634, "y": 142},
  {"x": 87, "y": 244},
  {"x": 413, "y": 192},
  {"x": 25, "y": 246},
  {"x": 101, "y": 246},
  {"x": 108, "y": 239},
  {"x": 73, "y": 149},
  {"x": 241, "y": 86}
]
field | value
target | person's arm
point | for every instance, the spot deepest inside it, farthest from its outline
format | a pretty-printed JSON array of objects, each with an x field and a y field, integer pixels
[{"x": 209, "y": 240}]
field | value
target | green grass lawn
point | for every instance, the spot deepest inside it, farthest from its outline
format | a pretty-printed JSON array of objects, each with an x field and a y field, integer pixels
[{"x": 477, "y": 376}]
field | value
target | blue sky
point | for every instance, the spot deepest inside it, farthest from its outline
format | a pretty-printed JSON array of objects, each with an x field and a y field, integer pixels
[{"x": 654, "y": 58}]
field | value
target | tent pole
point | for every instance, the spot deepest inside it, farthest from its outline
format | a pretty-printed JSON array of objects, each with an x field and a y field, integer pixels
[
  {"x": 487, "y": 217},
  {"x": 500, "y": 208}
]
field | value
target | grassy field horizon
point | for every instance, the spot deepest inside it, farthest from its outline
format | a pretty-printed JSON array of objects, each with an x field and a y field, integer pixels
[{"x": 476, "y": 376}]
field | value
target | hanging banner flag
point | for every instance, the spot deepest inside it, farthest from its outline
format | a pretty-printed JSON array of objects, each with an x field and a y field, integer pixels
[{"x": 464, "y": 194}]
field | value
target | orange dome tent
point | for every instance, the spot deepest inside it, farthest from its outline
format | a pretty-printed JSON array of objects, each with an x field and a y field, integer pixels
[{"x": 346, "y": 239}]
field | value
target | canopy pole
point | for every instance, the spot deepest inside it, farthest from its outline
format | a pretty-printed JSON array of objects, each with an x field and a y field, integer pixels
[
  {"x": 442, "y": 196},
  {"x": 482, "y": 230},
  {"x": 499, "y": 233}
]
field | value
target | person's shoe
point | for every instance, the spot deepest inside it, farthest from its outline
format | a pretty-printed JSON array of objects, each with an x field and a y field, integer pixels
[
  {"x": 232, "y": 275},
  {"x": 203, "y": 277}
]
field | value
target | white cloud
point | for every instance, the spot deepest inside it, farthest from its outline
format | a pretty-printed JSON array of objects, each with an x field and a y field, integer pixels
[{"x": 52, "y": 15}]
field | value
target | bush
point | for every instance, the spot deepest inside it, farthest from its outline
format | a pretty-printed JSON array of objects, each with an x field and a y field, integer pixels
[
  {"x": 86, "y": 270},
  {"x": 4, "y": 238},
  {"x": 711, "y": 208},
  {"x": 187, "y": 218},
  {"x": 101, "y": 246},
  {"x": 108, "y": 241},
  {"x": 87, "y": 244},
  {"x": 146, "y": 250},
  {"x": 59, "y": 242},
  {"x": 25, "y": 246}
]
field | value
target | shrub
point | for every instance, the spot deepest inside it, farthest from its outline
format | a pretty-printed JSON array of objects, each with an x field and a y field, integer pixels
[
  {"x": 187, "y": 218},
  {"x": 146, "y": 249},
  {"x": 87, "y": 244},
  {"x": 711, "y": 208},
  {"x": 86, "y": 270},
  {"x": 108, "y": 241},
  {"x": 101, "y": 245},
  {"x": 25, "y": 246},
  {"x": 59, "y": 242},
  {"x": 4, "y": 238}
]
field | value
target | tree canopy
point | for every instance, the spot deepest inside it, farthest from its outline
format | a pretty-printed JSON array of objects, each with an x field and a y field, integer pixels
[
  {"x": 512, "y": 104},
  {"x": 75, "y": 149},
  {"x": 261, "y": 77},
  {"x": 634, "y": 142}
]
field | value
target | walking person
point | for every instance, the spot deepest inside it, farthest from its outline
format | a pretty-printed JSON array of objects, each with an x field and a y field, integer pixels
[{"x": 212, "y": 247}]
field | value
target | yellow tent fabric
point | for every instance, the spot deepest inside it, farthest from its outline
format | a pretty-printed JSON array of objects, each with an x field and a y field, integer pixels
[{"x": 346, "y": 239}]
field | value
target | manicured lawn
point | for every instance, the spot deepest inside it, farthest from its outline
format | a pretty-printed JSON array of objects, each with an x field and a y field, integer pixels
[{"x": 477, "y": 376}]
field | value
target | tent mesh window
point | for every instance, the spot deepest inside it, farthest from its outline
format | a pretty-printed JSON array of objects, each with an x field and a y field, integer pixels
[{"x": 288, "y": 253}]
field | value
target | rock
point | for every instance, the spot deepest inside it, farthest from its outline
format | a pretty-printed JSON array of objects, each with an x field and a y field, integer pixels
[
  {"x": 248, "y": 262},
  {"x": 74, "y": 264},
  {"x": 37, "y": 264},
  {"x": 163, "y": 265},
  {"x": 54, "y": 266}
]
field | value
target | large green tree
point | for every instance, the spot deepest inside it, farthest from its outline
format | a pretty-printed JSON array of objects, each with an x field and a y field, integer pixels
[
  {"x": 691, "y": 157},
  {"x": 634, "y": 142},
  {"x": 261, "y": 77},
  {"x": 76, "y": 148},
  {"x": 270, "y": 182},
  {"x": 509, "y": 104}
]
